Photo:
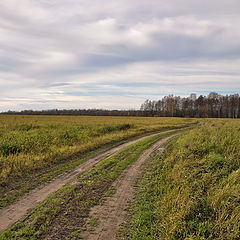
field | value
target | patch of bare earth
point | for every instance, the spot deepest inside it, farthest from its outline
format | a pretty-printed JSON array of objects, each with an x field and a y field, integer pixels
[
  {"x": 13, "y": 213},
  {"x": 113, "y": 212}
]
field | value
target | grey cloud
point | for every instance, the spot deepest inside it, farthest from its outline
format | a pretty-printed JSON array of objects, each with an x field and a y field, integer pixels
[{"x": 50, "y": 48}]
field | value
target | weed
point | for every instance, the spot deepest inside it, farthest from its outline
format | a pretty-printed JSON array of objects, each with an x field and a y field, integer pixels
[{"x": 93, "y": 222}]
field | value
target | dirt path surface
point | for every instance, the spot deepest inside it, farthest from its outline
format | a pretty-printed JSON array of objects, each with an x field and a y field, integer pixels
[
  {"x": 13, "y": 213},
  {"x": 113, "y": 212}
]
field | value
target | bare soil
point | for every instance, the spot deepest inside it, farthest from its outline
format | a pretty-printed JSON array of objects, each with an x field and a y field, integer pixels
[
  {"x": 13, "y": 213},
  {"x": 113, "y": 212}
]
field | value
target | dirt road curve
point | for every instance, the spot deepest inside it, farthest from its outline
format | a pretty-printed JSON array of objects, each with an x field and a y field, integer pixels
[
  {"x": 113, "y": 212},
  {"x": 16, "y": 211}
]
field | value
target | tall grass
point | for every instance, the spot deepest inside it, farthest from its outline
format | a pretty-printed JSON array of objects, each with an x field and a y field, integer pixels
[
  {"x": 29, "y": 143},
  {"x": 193, "y": 190}
]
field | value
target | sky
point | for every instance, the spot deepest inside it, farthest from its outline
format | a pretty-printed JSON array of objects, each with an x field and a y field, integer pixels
[{"x": 115, "y": 54}]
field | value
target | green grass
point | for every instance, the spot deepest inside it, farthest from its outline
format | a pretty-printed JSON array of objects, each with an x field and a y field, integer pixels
[
  {"x": 64, "y": 214},
  {"x": 192, "y": 191},
  {"x": 35, "y": 149}
]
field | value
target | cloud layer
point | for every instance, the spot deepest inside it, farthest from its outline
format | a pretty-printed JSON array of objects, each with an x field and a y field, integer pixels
[{"x": 102, "y": 54}]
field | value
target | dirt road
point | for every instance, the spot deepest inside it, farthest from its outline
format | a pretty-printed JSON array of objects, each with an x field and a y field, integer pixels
[
  {"x": 113, "y": 212},
  {"x": 13, "y": 213}
]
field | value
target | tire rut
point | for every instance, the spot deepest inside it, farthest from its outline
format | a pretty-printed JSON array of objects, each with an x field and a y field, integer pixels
[{"x": 113, "y": 212}]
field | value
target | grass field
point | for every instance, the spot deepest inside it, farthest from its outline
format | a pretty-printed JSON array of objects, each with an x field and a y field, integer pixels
[
  {"x": 34, "y": 149},
  {"x": 193, "y": 190},
  {"x": 64, "y": 214}
]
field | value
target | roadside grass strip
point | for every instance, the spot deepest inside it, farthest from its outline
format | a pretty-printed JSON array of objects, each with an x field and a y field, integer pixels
[
  {"x": 192, "y": 190},
  {"x": 63, "y": 215}
]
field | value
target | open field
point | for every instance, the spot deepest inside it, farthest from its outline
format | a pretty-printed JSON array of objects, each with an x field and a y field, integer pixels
[
  {"x": 35, "y": 149},
  {"x": 192, "y": 191},
  {"x": 64, "y": 214}
]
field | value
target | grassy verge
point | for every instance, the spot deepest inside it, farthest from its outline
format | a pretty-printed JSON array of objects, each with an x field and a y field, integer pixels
[
  {"x": 64, "y": 214},
  {"x": 192, "y": 190}
]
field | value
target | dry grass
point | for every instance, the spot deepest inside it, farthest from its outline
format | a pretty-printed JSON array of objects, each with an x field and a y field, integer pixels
[
  {"x": 28, "y": 143},
  {"x": 192, "y": 192}
]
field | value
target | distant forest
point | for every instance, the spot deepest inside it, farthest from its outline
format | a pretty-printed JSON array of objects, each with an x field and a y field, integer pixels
[
  {"x": 79, "y": 112},
  {"x": 212, "y": 106}
]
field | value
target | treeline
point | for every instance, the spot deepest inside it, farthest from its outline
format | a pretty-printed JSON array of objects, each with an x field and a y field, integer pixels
[
  {"x": 212, "y": 106},
  {"x": 79, "y": 112}
]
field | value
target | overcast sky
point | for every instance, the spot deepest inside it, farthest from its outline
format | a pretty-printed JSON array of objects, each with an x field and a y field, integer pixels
[{"x": 115, "y": 54}]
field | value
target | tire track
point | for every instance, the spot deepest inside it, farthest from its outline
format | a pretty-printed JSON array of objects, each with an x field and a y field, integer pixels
[{"x": 113, "y": 212}]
